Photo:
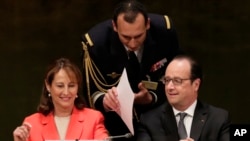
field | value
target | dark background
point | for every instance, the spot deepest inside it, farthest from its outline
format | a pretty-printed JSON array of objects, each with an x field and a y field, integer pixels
[{"x": 33, "y": 33}]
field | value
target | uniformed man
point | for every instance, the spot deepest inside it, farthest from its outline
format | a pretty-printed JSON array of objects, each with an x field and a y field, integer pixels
[{"x": 107, "y": 48}]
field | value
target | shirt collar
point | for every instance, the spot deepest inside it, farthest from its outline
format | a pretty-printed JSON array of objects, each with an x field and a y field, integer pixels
[
  {"x": 138, "y": 52},
  {"x": 189, "y": 110}
]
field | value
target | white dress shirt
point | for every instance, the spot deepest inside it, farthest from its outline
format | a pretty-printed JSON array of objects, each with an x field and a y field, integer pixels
[{"x": 188, "y": 118}]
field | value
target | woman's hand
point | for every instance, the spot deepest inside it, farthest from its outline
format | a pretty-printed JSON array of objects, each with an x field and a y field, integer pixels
[{"x": 21, "y": 133}]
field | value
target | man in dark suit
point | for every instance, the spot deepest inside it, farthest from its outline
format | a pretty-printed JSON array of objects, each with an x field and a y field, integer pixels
[
  {"x": 152, "y": 38},
  {"x": 202, "y": 122}
]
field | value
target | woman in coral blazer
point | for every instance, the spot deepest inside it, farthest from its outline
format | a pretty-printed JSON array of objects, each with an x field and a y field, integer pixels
[{"x": 62, "y": 114}]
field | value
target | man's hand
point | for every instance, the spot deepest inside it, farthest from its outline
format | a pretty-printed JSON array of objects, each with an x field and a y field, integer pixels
[
  {"x": 143, "y": 96},
  {"x": 110, "y": 101}
]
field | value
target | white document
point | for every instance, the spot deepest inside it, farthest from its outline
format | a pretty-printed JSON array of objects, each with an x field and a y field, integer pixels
[{"x": 126, "y": 100}]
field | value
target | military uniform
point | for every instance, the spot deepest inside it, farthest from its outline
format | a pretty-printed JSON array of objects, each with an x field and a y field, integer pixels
[{"x": 105, "y": 57}]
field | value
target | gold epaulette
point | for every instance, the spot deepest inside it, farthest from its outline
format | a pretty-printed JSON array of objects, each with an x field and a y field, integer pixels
[
  {"x": 92, "y": 71},
  {"x": 168, "y": 25},
  {"x": 89, "y": 41}
]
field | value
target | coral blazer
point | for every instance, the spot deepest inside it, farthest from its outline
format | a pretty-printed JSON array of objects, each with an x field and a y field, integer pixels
[{"x": 84, "y": 124}]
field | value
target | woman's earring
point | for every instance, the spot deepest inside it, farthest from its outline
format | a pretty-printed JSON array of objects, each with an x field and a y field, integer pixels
[{"x": 49, "y": 95}]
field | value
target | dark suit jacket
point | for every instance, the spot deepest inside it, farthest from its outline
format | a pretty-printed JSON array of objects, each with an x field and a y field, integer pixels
[
  {"x": 110, "y": 56},
  {"x": 209, "y": 124}
]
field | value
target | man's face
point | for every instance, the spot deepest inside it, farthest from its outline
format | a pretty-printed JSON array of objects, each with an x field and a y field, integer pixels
[
  {"x": 133, "y": 34},
  {"x": 181, "y": 92}
]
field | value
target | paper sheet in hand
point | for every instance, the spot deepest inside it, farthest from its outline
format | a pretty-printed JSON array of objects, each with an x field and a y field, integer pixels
[{"x": 126, "y": 99}]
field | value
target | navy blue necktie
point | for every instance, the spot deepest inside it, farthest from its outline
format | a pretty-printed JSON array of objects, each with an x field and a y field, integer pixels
[
  {"x": 133, "y": 60},
  {"x": 133, "y": 70}
]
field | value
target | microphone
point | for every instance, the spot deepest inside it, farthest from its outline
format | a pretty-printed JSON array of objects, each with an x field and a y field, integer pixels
[{"x": 127, "y": 135}]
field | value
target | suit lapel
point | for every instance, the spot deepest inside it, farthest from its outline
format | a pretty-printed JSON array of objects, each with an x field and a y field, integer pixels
[
  {"x": 76, "y": 122},
  {"x": 49, "y": 131},
  {"x": 169, "y": 123},
  {"x": 199, "y": 120},
  {"x": 148, "y": 55}
]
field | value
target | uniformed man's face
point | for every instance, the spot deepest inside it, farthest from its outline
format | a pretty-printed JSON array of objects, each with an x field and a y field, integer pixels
[{"x": 133, "y": 34}]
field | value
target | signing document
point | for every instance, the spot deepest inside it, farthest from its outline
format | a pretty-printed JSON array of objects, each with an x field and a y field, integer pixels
[{"x": 126, "y": 100}]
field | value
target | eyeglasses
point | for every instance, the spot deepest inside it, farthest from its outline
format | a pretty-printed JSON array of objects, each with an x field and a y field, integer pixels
[{"x": 175, "y": 81}]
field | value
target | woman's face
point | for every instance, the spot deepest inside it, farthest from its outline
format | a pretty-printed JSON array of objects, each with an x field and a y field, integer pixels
[{"x": 63, "y": 90}]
